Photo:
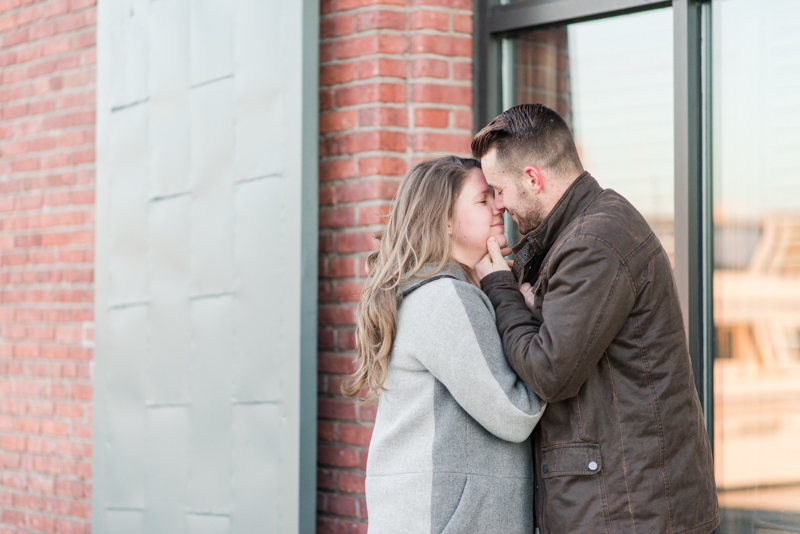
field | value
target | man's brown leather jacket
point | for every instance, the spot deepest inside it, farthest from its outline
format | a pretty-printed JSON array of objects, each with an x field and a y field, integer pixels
[{"x": 622, "y": 446}]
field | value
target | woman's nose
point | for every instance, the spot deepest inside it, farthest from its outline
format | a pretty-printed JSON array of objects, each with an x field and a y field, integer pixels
[{"x": 497, "y": 206}]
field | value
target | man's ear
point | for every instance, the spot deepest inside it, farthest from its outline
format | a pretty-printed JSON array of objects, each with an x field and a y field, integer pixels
[{"x": 533, "y": 179}]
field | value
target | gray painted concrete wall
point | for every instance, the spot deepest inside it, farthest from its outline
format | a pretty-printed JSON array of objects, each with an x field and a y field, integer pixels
[{"x": 205, "y": 372}]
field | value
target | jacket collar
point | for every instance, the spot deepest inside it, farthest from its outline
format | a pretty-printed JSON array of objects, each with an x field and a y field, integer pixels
[
  {"x": 428, "y": 273},
  {"x": 534, "y": 246}
]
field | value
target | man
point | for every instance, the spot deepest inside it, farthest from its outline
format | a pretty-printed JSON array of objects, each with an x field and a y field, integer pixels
[{"x": 622, "y": 446}]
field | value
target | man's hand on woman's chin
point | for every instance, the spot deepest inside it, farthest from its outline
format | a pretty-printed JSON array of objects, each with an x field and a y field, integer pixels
[{"x": 494, "y": 260}]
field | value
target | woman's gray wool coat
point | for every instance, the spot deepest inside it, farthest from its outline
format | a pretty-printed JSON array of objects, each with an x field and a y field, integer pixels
[{"x": 450, "y": 451}]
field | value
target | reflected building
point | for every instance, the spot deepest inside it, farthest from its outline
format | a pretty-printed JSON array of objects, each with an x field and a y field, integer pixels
[{"x": 757, "y": 364}]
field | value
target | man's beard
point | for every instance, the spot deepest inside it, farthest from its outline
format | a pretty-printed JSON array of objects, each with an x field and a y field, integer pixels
[{"x": 532, "y": 217}]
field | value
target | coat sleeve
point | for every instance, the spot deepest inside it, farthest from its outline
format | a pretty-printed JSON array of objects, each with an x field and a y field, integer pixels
[
  {"x": 589, "y": 297},
  {"x": 457, "y": 341}
]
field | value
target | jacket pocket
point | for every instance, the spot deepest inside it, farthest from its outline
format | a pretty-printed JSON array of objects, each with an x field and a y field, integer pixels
[
  {"x": 447, "y": 494},
  {"x": 492, "y": 504},
  {"x": 574, "y": 495}
]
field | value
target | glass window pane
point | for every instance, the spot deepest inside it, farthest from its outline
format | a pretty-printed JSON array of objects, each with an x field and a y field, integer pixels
[
  {"x": 612, "y": 81},
  {"x": 756, "y": 182}
]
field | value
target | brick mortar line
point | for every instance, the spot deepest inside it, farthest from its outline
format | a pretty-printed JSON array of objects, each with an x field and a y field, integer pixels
[
  {"x": 57, "y": 265},
  {"x": 50, "y": 362},
  {"x": 53, "y": 94},
  {"x": 20, "y": 8},
  {"x": 32, "y": 154},
  {"x": 395, "y": 9},
  {"x": 371, "y": 203},
  {"x": 40, "y": 248},
  {"x": 451, "y": 130},
  {"x": 59, "y": 379},
  {"x": 396, "y": 57},
  {"x": 54, "y": 209},
  {"x": 46, "y": 248},
  {"x": 88, "y": 87},
  {"x": 57, "y": 228},
  {"x": 82, "y": 420},
  {"x": 445, "y": 130},
  {"x": 87, "y": 68},
  {"x": 409, "y": 33},
  {"x": 56, "y": 113},
  {"x": 402, "y": 105},
  {"x": 26, "y": 232},
  {"x": 85, "y": 303},
  {"x": 27, "y": 64},
  {"x": 72, "y": 439},
  {"x": 368, "y": 154},
  {"x": 341, "y": 230},
  {"x": 20, "y": 287},
  {"x": 350, "y": 519},
  {"x": 52, "y": 114},
  {"x": 45, "y": 20},
  {"x": 41, "y": 173},
  {"x": 51, "y": 151},
  {"x": 412, "y": 56},
  {"x": 391, "y": 80},
  {"x": 17, "y": 491},
  {"x": 48, "y": 513}
]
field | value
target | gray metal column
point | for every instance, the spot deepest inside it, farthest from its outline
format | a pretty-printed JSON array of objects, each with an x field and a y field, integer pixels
[
  {"x": 693, "y": 232},
  {"x": 206, "y": 267}
]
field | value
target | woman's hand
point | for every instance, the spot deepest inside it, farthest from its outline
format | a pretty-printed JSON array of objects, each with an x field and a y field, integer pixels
[
  {"x": 527, "y": 292},
  {"x": 493, "y": 261}
]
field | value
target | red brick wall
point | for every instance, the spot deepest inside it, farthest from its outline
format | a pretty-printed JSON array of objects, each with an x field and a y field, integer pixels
[
  {"x": 395, "y": 79},
  {"x": 47, "y": 102}
]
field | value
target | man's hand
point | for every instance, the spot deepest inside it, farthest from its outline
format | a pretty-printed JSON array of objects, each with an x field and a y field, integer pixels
[
  {"x": 527, "y": 292},
  {"x": 493, "y": 261}
]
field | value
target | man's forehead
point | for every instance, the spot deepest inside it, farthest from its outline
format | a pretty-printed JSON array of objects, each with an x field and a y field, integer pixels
[
  {"x": 490, "y": 157},
  {"x": 494, "y": 176}
]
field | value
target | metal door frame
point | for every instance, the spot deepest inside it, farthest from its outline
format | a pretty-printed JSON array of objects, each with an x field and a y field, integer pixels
[{"x": 693, "y": 227}]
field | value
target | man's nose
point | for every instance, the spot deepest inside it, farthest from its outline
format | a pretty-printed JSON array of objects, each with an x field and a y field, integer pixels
[{"x": 499, "y": 207}]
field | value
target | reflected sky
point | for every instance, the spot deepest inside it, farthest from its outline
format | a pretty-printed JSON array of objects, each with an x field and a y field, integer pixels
[
  {"x": 756, "y": 102},
  {"x": 622, "y": 105}
]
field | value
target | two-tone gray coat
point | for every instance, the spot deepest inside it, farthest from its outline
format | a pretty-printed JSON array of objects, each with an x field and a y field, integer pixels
[{"x": 450, "y": 451}]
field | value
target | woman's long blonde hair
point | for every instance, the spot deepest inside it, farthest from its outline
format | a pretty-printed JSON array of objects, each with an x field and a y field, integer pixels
[{"x": 416, "y": 235}]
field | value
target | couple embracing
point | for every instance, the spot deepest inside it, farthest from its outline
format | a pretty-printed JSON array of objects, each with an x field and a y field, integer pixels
[{"x": 551, "y": 394}]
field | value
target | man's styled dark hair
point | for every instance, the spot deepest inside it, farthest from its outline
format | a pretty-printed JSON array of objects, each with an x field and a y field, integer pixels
[{"x": 530, "y": 134}]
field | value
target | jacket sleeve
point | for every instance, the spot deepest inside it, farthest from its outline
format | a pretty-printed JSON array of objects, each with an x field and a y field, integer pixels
[
  {"x": 457, "y": 341},
  {"x": 588, "y": 298}
]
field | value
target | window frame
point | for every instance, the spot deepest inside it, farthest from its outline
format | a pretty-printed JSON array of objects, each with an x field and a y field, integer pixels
[{"x": 693, "y": 215}]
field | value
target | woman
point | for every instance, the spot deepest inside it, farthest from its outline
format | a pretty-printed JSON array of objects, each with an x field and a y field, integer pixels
[{"x": 449, "y": 451}]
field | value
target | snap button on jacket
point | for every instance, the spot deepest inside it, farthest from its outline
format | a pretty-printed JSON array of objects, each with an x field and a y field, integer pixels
[{"x": 622, "y": 447}]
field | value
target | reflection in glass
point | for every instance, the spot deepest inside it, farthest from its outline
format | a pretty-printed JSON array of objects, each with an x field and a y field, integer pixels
[
  {"x": 611, "y": 80},
  {"x": 756, "y": 132}
]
